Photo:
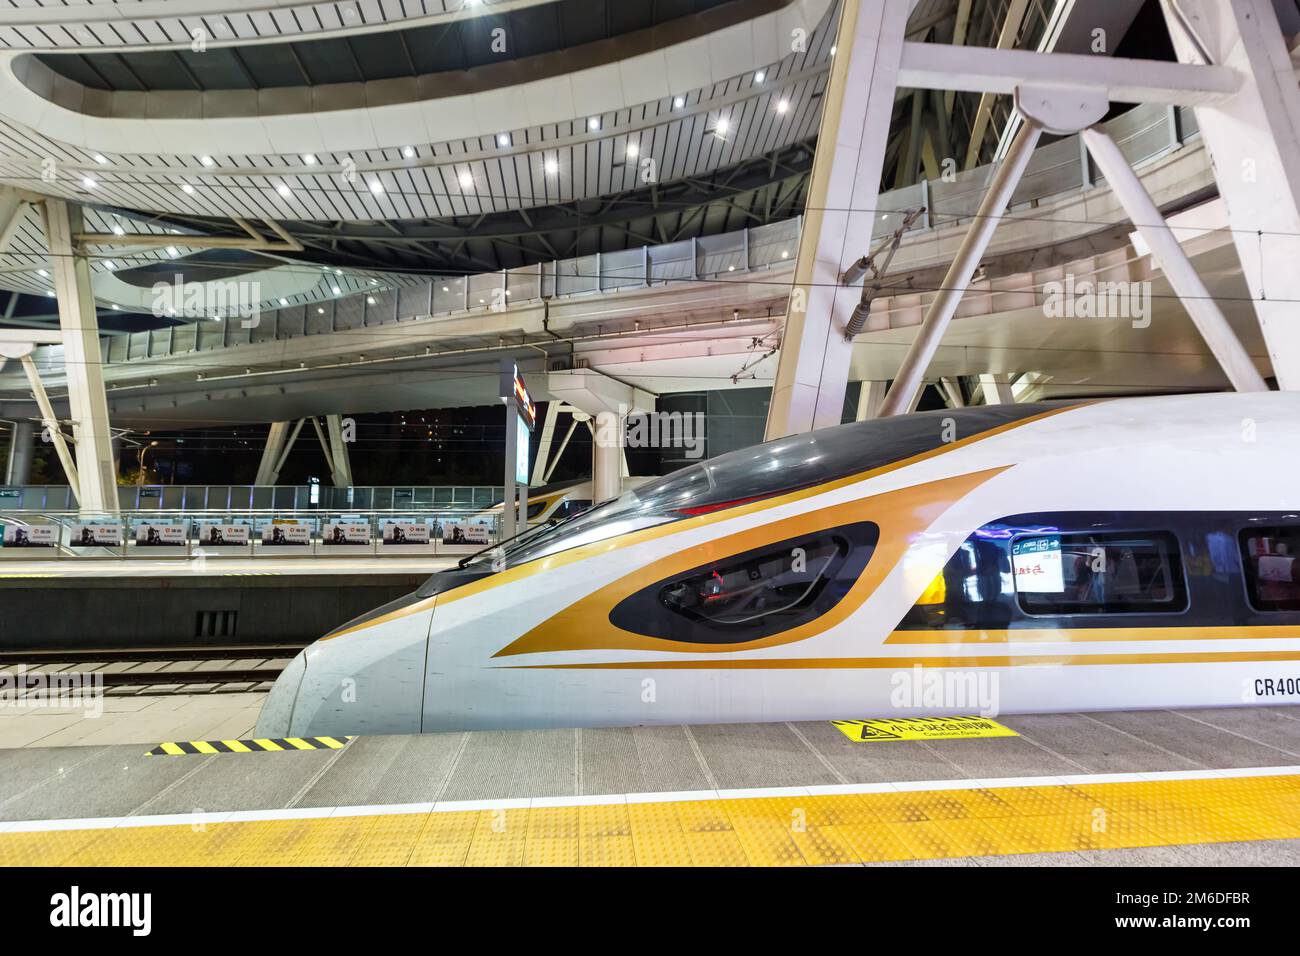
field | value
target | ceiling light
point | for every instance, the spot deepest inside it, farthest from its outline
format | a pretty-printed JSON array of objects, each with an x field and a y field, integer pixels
[
  {"x": 503, "y": 139},
  {"x": 679, "y": 102},
  {"x": 207, "y": 161},
  {"x": 731, "y": 268},
  {"x": 833, "y": 48},
  {"x": 101, "y": 158},
  {"x": 593, "y": 123},
  {"x": 50, "y": 293},
  {"x": 370, "y": 300},
  {"x": 785, "y": 253},
  {"x": 118, "y": 231},
  {"x": 760, "y": 76},
  {"x": 187, "y": 189},
  {"x": 721, "y": 126},
  {"x": 374, "y": 282},
  {"x": 376, "y": 186},
  {"x": 41, "y": 272},
  {"x": 632, "y": 150},
  {"x": 110, "y": 265},
  {"x": 113, "y": 307},
  {"x": 782, "y": 106},
  {"x": 88, "y": 183},
  {"x": 284, "y": 190},
  {"x": 334, "y": 289},
  {"x": 172, "y": 251},
  {"x": 338, "y": 272},
  {"x": 552, "y": 166},
  {"x": 283, "y": 300},
  {"x": 309, "y": 159},
  {"x": 466, "y": 180},
  {"x": 408, "y": 151},
  {"x": 320, "y": 311},
  {"x": 445, "y": 289}
]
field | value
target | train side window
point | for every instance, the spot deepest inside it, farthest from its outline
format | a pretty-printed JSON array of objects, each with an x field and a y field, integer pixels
[
  {"x": 536, "y": 508},
  {"x": 1269, "y": 557},
  {"x": 1099, "y": 573},
  {"x": 742, "y": 597}
]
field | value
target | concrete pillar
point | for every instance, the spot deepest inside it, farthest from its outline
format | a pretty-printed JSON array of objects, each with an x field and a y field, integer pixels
[
  {"x": 869, "y": 399},
  {"x": 18, "y": 470},
  {"x": 1253, "y": 137},
  {"x": 268, "y": 471},
  {"x": 997, "y": 389},
  {"x": 842, "y": 197},
  {"x": 607, "y": 457},
  {"x": 339, "y": 450},
  {"x": 87, "y": 400}
]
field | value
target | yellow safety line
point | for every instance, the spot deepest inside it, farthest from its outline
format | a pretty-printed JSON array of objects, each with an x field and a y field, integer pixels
[
  {"x": 759, "y": 831},
  {"x": 238, "y": 746},
  {"x": 203, "y": 747},
  {"x": 172, "y": 749},
  {"x": 266, "y": 744},
  {"x": 299, "y": 743}
]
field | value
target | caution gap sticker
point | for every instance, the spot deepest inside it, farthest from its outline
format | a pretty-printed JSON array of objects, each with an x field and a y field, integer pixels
[{"x": 921, "y": 728}]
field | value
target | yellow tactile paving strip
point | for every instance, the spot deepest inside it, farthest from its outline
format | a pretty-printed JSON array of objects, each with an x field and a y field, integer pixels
[{"x": 758, "y": 831}]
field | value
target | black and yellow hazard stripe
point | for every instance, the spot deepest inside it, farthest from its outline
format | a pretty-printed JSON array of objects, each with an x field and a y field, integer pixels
[{"x": 175, "y": 748}]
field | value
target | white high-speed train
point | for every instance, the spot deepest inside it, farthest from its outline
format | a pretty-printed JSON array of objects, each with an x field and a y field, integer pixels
[{"x": 1119, "y": 554}]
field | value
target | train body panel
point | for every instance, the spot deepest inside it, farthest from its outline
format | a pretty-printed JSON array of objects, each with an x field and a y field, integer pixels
[{"x": 1122, "y": 554}]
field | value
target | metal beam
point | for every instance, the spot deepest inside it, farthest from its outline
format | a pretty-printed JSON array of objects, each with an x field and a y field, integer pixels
[{"x": 936, "y": 66}]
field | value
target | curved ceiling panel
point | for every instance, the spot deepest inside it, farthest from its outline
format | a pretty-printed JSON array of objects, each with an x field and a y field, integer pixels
[{"x": 174, "y": 24}]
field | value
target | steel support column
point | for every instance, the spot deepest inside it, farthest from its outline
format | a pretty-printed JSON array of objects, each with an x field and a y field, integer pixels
[
  {"x": 342, "y": 463},
  {"x": 842, "y": 197},
  {"x": 907, "y": 385},
  {"x": 267, "y": 473},
  {"x": 869, "y": 399},
  {"x": 1253, "y": 136},
  {"x": 1205, "y": 313},
  {"x": 18, "y": 470},
  {"x": 81, "y": 355}
]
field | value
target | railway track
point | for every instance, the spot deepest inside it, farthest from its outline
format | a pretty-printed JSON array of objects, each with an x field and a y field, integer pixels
[{"x": 186, "y": 669}]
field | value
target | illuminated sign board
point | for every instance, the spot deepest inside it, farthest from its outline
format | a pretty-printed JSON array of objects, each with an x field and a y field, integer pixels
[{"x": 513, "y": 386}]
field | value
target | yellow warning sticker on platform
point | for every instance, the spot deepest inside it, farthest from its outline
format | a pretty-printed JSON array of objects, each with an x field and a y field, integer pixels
[
  {"x": 921, "y": 728},
  {"x": 176, "y": 748}
]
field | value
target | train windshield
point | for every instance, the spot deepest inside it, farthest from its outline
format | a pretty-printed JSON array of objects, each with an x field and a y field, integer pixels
[{"x": 775, "y": 467}]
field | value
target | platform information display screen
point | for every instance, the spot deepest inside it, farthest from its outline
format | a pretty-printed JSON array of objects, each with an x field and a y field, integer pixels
[{"x": 1036, "y": 563}]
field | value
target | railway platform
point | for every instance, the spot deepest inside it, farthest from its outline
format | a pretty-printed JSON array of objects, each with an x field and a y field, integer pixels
[{"x": 1167, "y": 788}]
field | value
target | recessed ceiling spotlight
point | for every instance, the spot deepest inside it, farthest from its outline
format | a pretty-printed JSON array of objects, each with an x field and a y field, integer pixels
[
  {"x": 552, "y": 166},
  {"x": 320, "y": 311},
  {"x": 370, "y": 300},
  {"x": 679, "y": 102},
  {"x": 503, "y": 139},
  {"x": 309, "y": 159},
  {"x": 101, "y": 158},
  {"x": 782, "y": 106},
  {"x": 110, "y": 265},
  {"x": 593, "y": 123},
  {"x": 374, "y": 282},
  {"x": 760, "y": 76},
  {"x": 118, "y": 230},
  {"x": 408, "y": 151},
  {"x": 50, "y": 293},
  {"x": 466, "y": 180},
  {"x": 41, "y": 272},
  {"x": 88, "y": 183},
  {"x": 632, "y": 150},
  {"x": 283, "y": 300},
  {"x": 785, "y": 253},
  {"x": 445, "y": 289},
  {"x": 833, "y": 49},
  {"x": 173, "y": 251},
  {"x": 284, "y": 190},
  {"x": 113, "y": 306},
  {"x": 334, "y": 289},
  {"x": 376, "y": 186},
  {"x": 187, "y": 189},
  {"x": 207, "y": 161},
  {"x": 721, "y": 126}
]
